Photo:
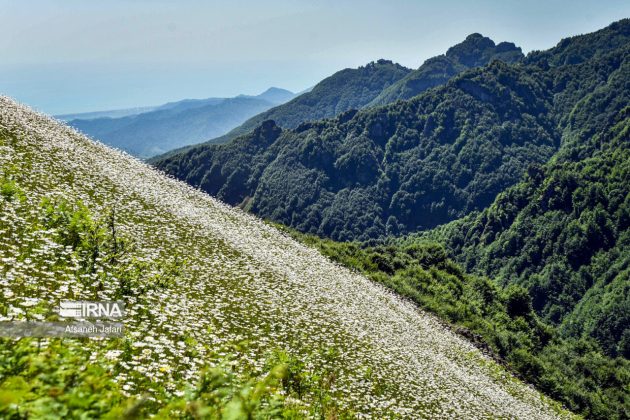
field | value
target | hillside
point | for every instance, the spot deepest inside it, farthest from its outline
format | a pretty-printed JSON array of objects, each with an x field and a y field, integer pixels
[
  {"x": 280, "y": 329},
  {"x": 410, "y": 165},
  {"x": 347, "y": 89},
  {"x": 476, "y": 50},
  {"x": 562, "y": 231},
  {"x": 178, "y": 124}
]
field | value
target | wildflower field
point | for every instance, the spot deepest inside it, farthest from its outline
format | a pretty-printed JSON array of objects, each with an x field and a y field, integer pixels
[{"x": 226, "y": 316}]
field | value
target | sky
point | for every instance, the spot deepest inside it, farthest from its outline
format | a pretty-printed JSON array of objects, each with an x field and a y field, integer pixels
[{"x": 63, "y": 56}]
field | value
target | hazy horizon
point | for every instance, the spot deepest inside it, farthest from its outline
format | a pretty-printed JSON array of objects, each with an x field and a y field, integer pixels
[{"x": 70, "y": 56}]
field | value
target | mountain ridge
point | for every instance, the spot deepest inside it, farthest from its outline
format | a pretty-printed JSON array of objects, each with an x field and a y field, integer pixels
[
  {"x": 342, "y": 91},
  {"x": 473, "y": 51},
  {"x": 476, "y": 50}
]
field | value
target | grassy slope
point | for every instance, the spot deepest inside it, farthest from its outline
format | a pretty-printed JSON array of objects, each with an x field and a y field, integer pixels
[{"x": 206, "y": 285}]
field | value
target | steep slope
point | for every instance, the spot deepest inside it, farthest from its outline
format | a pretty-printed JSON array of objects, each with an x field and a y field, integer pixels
[
  {"x": 203, "y": 284},
  {"x": 347, "y": 89},
  {"x": 410, "y": 165},
  {"x": 476, "y": 50},
  {"x": 567, "y": 221},
  {"x": 563, "y": 235},
  {"x": 178, "y": 124}
]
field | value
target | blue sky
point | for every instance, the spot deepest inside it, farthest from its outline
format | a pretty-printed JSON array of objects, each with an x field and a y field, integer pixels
[{"x": 76, "y": 55}]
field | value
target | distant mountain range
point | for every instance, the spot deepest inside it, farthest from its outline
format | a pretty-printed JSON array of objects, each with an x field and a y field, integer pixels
[
  {"x": 149, "y": 131},
  {"x": 114, "y": 113}
]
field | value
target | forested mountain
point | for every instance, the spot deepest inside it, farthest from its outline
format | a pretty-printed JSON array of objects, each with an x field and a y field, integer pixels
[
  {"x": 226, "y": 317},
  {"x": 347, "y": 89},
  {"x": 476, "y": 50},
  {"x": 178, "y": 124},
  {"x": 556, "y": 245},
  {"x": 379, "y": 83},
  {"x": 562, "y": 234},
  {"x": 413, "y": 164}
]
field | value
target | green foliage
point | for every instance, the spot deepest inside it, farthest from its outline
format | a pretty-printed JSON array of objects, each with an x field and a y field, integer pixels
[
  {"x": 517, "y": 301},
  {"x": 562, "y": 235},
  {"x": 56, "y": 378},
  {"x": 53, "y": 380},
  {"x": 9, "y": 189}
]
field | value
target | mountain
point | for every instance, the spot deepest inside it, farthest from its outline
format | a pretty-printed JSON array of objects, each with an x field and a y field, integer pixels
[
  {"x": 379, "y": 83},
  {"x": 274, "y": 94},
  {"x": 178, "y": 124},
  {"x": 226, "y": 317},
  {"x": 407, "y": 166},
  {"x": 562, "y": 235},
  {"x": 384, "y": 170},
  {"x": 476, "y": 50},
  {"x": 347, "y": 89}
]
